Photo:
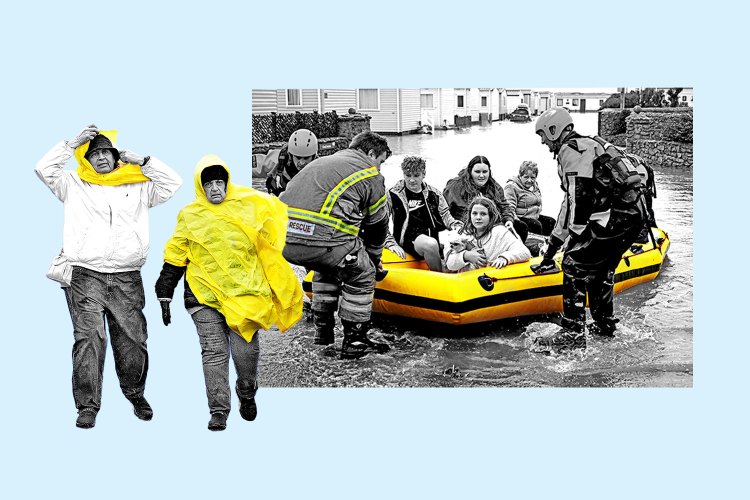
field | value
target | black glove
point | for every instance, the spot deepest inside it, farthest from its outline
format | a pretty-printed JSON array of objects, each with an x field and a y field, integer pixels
[
  {"x": 380, "y": 272},
  {"x": 544, "y": 267},
  {"x": 166, "y": 315},
  {"x": 553, "y": 245}
]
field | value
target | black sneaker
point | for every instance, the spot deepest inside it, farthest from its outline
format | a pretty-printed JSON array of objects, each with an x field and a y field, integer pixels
[
  {"x": 218, "y": 422},
  {"x": 561, "y": 341},
  {"x": 248, "y": 409},
  {"x": 142, "y": 409},
  {"x": 86, "y": 420}
]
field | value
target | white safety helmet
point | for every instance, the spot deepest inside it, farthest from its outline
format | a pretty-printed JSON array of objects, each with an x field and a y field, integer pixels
[
  {"x": 552, "y": 123},
  {"x": 303, "y": 143}
]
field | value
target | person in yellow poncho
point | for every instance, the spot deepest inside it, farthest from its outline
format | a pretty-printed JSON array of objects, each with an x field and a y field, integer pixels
[{"x": 228, "y": 244}]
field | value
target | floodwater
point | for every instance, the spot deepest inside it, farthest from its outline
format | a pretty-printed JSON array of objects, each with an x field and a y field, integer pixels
[{"x": 654, "y": 342}]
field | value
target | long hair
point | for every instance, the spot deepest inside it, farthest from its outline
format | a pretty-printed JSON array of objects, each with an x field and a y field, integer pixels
[
  {"x": 492, "y": 210},
  {"x": 471, "y": 190}
]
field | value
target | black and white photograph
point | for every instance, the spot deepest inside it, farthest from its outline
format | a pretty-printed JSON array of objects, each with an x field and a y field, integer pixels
[{"x": 482, "y": 237}]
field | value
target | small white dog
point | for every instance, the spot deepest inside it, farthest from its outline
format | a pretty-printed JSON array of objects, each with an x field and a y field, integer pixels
[{"x": 459, "y": 242}]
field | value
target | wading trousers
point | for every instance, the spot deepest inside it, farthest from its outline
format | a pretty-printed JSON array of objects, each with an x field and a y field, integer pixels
[{"x": 589, "y": 265}]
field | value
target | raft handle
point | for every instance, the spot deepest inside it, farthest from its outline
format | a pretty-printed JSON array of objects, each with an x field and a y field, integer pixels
[{"x": 487, "y": 282}]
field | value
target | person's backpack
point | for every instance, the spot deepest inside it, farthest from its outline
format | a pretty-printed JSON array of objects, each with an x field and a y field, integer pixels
[{"x": 616, "y": 176}]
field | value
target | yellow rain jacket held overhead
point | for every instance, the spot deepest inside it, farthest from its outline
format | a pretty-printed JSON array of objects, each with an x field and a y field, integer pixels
[{"x": 232, "y": 251}]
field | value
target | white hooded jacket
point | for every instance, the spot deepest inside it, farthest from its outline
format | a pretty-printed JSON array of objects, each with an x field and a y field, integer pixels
[{"x": 106, "y": 227}]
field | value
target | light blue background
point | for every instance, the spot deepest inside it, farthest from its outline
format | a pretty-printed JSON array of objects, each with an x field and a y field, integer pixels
[{"x": 176, "y": 81}]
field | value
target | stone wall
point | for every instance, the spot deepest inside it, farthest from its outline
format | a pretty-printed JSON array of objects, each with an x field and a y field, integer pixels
[
  {"x": 613, "y": 125},
  {"x": 661, "y": 136},
  {"x": 352, "y": 124}
]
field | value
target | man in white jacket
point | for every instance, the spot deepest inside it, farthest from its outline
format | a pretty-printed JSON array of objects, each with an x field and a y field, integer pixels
[{"x": 106, "y": 240}]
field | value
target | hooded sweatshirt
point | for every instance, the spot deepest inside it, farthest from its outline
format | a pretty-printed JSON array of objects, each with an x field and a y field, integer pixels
[
  {"x": 232, "y": 254},
  {"x": 524, "y": 202}
]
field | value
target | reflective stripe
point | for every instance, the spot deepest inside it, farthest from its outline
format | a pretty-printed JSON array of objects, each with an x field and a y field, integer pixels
[
  {"x": 344, "y": 185},
  {"x": 376, "y": 206},
  {"x": 337, "y": 224}
]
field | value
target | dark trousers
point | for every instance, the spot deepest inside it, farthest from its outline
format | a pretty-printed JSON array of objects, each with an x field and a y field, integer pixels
[
  {"x": 116, "y": 300},
  {"x": 344, "y": 271},
  {"x": 543, "y": 225},
  {"x": 589, "y": 265}
]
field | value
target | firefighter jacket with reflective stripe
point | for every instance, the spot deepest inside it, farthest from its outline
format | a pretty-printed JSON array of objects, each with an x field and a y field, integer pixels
[{"x": 333, "y": 198}]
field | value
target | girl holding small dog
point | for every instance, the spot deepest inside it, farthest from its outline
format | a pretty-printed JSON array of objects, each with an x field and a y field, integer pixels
[{"x": 489, "y": 242}]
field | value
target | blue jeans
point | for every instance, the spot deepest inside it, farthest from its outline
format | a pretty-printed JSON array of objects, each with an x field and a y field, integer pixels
[
  {"x": 116, "y": 299},
  {"x": 218, "y": 342}
]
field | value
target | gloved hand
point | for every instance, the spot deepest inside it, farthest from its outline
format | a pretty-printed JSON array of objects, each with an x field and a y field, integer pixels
[
  {"x": 553, "y": 244},
  {"x": 547, "y": 264},
  {"x": 544, "y": 267},
  {"x": 380, "y": 272},
  {"x": 166, "y": 315}
]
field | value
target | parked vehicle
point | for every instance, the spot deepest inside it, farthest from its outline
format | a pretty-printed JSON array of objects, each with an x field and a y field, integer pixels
[{"x": 521, "y": 114}]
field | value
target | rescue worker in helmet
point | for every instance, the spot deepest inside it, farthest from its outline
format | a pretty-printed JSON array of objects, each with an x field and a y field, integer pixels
[
  {"x": 338, "y": 223},
  {"x": 301, "y": 149},
  {"x": 595, "y": 225}
]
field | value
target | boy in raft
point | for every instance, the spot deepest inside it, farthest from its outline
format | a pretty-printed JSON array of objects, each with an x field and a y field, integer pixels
[
  {"x": 490, "y": 243},
  {"x": 419, "y": 213}
]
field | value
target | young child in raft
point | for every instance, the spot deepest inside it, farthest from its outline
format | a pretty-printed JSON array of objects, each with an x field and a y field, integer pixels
[{"x": 489, "y": 243}]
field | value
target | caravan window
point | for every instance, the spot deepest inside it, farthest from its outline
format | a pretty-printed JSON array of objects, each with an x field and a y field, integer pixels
[
  {"x": 369, "y": 99},
  {"x": 293, "y": 97}
]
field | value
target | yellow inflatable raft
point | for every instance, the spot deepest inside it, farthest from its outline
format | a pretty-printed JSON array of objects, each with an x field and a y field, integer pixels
[{"x": 413, "y": 291}]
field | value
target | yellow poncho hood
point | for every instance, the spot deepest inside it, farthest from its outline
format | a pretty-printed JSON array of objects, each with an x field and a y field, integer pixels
[
  {"x": 232, "y": 251},
  {"x": 124, "y": 174}
]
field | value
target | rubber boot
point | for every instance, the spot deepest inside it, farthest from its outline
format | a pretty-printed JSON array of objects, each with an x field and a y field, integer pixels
[
  {"x": 324, "y": 323},
  {"x": 605, "y": 328},
  {"x": 570, "y": 336},
  {"x": 356, "y": 342}
]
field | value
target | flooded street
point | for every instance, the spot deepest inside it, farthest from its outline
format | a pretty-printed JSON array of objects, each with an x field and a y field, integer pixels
[{"x": 654, "y": 343}]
